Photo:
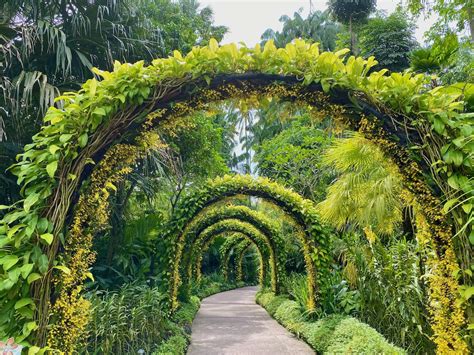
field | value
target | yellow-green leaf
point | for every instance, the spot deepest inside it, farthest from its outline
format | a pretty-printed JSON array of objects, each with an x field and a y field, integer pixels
[
  {"x": 51, "y": 168},
  {"x": 47, "y": 237}
]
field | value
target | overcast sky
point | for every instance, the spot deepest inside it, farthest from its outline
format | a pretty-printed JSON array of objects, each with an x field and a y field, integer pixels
[{"x": 248, "y": 19}]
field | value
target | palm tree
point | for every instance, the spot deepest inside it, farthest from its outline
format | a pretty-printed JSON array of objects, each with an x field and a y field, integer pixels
[
  {"x": 351, "y": 13},
  {"x": 368, "y": 190}
]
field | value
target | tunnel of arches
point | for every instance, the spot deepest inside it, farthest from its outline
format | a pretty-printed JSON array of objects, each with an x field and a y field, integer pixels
[
  {"x": 246, "y": 232},
  {"x": 198, "y": 229},
  {"x": 71, "y": 168}
]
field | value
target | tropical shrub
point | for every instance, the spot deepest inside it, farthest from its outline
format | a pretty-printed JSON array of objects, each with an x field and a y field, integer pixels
[
  {"x": 329, "y": 335},
  {"x": 126, "y": 320}
]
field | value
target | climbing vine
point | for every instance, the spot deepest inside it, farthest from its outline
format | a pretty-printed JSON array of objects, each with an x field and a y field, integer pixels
[
  {"x": 225, "y": 253},
  {"x": 261, "y": 271},
  {"x": 249, "y": 232},
  {"x": 240, "y": 251},
  {"x": 245, "y": 214}
]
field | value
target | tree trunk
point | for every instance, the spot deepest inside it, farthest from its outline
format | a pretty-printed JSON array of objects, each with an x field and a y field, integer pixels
[
  {"x": 353, "y": 34},
  {"x": 470, "y": 19}
]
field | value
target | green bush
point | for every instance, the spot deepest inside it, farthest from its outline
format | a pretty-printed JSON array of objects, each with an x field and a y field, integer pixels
[
  {"x": 274, "y": 303},
  {"x": 335, "y": 334},
  {"x": 186, "y": 313},
  {"x": 319, "y": 334},
  {"x": 363, "y": 340},
  {"x": 289, "y": 312},
  {"x": 175, "y": 345}
]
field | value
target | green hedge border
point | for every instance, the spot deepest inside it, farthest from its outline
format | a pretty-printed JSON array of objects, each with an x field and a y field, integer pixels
[{"x": 335, "y": 334}]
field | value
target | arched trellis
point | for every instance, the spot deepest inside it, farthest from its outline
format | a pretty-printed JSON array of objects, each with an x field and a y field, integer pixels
[
  {"x": 315, "y": 240},
  {"x": 210, "y": 216},
  {"x": 231, "y": 244},
  {"x": 241, "y": 250},
  {"x": 235, "y": 237},
  {"x": 225, "y": 253},
  {"x": 110, "y": 121},
  {"x": 249, "y": 232}
]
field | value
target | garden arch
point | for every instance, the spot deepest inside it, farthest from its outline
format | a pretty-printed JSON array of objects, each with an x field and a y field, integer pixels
[
  {"x": 249, "y": 232},
  {"x": 241, "y": 250},
  {"x": 315, "y": 239},
  {"x": 111, "y": 122},
  {"x": 241, "y": 238},
  {"x": 243, "y": 213},
  {"x": 225, "y": 253}
]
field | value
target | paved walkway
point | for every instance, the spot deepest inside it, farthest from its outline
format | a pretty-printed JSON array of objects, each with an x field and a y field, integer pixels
[{"x": 232, "y": 323}]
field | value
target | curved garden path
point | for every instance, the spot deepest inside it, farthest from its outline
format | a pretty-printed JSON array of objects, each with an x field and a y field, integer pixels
[{"x": 232, "y": 323}]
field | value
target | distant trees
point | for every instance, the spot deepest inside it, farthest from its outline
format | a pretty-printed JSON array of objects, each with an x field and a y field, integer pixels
[
  {"x": 460, "y": 12},
  {"x": 318, "y": 27}
]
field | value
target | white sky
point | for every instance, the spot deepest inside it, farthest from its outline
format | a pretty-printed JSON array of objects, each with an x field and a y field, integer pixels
[{"x": 248, "y": 19}]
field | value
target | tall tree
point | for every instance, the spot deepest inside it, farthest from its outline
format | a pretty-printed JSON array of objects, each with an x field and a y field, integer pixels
[
  {"x": 389, "y": 39},
  {"x": 351, "y": 13}
]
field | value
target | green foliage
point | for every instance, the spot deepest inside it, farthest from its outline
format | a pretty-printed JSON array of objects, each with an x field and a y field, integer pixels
[
  {"x": 351, "y": 10},
  {"x": 288, "y": 313},
  {"x": 295, "y": 286},
  {"x": 351, "y": 13},
  {"x": 126, "y": 321},
  {"x": 389, "y": 39},
  {"x": 367, "y": 191},
  {"x": 49, "y": 48},
  {"x": 274, "y": 303},
  {"x": 436, "y": 57},
  {"x": 199, "y": 147},
  {"x": 363, "y": 339},
  {"x": 329, "y": 335},
  {"x": 132, "y": 256},
  {"x": 174, "y": 345},
  {"x": 294, "y": 158},
  {"x": 458, "y": 11},
  {"x": 389, "y": 280},
  {"x": 317, "y": 27},
  {"x": 446, "y": 57}
]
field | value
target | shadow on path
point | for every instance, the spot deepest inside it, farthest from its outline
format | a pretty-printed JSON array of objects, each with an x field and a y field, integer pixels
[{"x": 232, "y": 323}]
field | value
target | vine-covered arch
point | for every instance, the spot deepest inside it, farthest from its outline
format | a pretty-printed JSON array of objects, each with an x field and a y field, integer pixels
[
  {"x": 249, "y": 232},
  {"x": 209, "y": 217},
  {"x": 111, "y": 121},
  {"x": 315, "y": 239},
  {"x": 241, "y": 250},
  {"x": 225, "y": 253},
  {"x": 262, "y": 276}
]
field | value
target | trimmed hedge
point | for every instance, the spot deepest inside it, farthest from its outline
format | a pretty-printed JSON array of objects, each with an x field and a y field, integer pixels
[{"x": 335, "y": 334}]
